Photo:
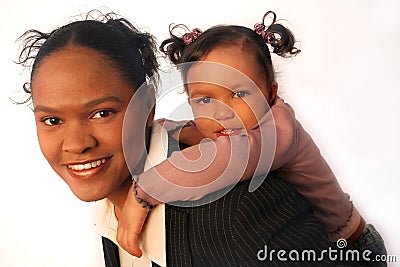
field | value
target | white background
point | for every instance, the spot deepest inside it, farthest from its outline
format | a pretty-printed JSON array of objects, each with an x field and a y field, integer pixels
[{"x": 344, "y": 86}]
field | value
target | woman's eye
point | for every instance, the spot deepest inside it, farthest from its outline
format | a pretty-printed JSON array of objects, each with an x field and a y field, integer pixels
[
  {"x": 52, "y": 121},
  {"x": 240, "y": 94},
  {"x": 102, "y": 114}
]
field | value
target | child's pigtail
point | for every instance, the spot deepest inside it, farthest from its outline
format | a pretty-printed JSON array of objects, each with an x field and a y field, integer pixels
[
  {"x": 174, "y": 46},
  {"x": 284, "y": 43},
  {"x": 280, "y": 38}
]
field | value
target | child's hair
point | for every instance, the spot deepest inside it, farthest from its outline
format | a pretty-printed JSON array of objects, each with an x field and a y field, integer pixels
[
  {"x": 179, "y": 50},
  {"x": 132, "y": 52}
]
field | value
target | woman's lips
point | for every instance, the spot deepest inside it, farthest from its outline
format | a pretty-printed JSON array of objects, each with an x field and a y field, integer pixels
[{"x": 87, "y": 170}]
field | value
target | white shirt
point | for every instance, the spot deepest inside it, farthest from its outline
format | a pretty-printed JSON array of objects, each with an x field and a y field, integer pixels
[{"x": 152, "y": 240}]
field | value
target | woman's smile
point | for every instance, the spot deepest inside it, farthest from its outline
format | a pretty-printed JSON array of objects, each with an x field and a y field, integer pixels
[{"x": 88, "y": 169}]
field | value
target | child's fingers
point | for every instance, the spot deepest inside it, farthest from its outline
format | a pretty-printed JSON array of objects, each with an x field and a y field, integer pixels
[
  {"x": 133, "y": 245},
  {"x": 130, "y": 225},
  {"x": 129, "y": 242}
]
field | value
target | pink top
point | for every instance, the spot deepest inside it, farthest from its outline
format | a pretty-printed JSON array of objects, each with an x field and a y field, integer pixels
[{"x": 188, "y": 176}]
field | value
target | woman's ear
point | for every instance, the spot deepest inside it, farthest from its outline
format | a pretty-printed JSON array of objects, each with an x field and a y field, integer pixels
[
  {"x": 150, "y": 118},
  {"x": 272, "y": 93},
  {"x": 150, "y": 105}
]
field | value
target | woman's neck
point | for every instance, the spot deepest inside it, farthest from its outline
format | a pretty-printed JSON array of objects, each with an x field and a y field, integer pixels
[{"x": 118, "y": 197}]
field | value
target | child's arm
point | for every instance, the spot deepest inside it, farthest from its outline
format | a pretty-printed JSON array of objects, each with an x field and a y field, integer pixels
[
  {"x": 130, "y": 224},
  {"x": 296, "y": 156},
  {"x": 133, "y": 215},
  {"x": 187, "y": 175}
]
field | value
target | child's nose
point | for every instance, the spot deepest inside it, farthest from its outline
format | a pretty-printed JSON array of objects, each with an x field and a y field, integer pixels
[{"x": 223, "y": 112}]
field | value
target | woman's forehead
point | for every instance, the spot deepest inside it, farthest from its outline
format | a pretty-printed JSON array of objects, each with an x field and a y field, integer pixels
[{"x": 78, "y": 72}]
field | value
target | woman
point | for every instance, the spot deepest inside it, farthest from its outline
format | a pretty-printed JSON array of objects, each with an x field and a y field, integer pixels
[{"x": 83, "y": 77}]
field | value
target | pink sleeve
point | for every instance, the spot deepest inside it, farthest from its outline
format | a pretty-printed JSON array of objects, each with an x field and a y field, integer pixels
[
  {"x": 312, "y": 177},
  {"x": 199, "y": 170},
  {"x": 188, "y": 176},
  {"x": 196, "y": 171}
]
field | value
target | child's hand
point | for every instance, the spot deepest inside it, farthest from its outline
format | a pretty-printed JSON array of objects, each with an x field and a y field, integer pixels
[
  {"x": 188, "y": 135},
  {"x": 170, "y": 125},
  {"x": 130, "y": 225}
]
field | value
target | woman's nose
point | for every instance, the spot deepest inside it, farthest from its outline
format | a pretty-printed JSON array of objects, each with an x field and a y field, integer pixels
[
  {"x": 78, "y": 140},
  {"x": 222, "y": 111}
]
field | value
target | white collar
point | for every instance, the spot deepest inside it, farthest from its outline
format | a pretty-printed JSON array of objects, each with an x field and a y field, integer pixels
[{"x": 152, "y": 241}]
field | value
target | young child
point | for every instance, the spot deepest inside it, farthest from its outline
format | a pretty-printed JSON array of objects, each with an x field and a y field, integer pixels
[{"x": 241, "y": 117}]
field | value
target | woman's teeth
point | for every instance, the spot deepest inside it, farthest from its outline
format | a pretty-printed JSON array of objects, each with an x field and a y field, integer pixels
[{"x": 87, "y": 166}]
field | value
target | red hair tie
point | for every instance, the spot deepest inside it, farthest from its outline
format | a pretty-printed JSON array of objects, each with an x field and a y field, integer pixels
[
  {"x": 262, "y": 30},
  {"x": 189, "y": 37}
]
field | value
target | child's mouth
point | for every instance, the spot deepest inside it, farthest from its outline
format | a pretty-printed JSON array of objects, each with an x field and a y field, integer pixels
[{"x": 227, "y": 132}]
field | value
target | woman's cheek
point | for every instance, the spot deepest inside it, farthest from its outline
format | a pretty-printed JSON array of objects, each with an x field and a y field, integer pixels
[{"x": 49, "y": 148}]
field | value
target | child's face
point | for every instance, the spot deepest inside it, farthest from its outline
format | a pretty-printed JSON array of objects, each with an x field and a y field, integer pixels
[
  {"x": 79, "y": 104},
  {"x": 230, "y": 98}
]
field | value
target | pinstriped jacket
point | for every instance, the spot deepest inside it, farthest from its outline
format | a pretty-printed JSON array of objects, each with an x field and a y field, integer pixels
[
  {"x": 242, "y": 229},
  {"x": 246, "y": 229}
]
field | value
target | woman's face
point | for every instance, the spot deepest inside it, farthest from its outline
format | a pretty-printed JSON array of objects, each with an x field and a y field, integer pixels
[{"x": 79, "y": 101}]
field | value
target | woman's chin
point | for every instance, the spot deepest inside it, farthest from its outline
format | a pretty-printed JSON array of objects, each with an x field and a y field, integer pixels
[{"x": 88, "y": 195}]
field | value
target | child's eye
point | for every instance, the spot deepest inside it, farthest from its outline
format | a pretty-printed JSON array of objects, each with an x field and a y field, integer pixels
[
  {"x": 204, "y": 100},
  {"x": 52, "y": 121},
  {"x": 102, "y": 114},
  {"x": 240, "y": 94}
]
